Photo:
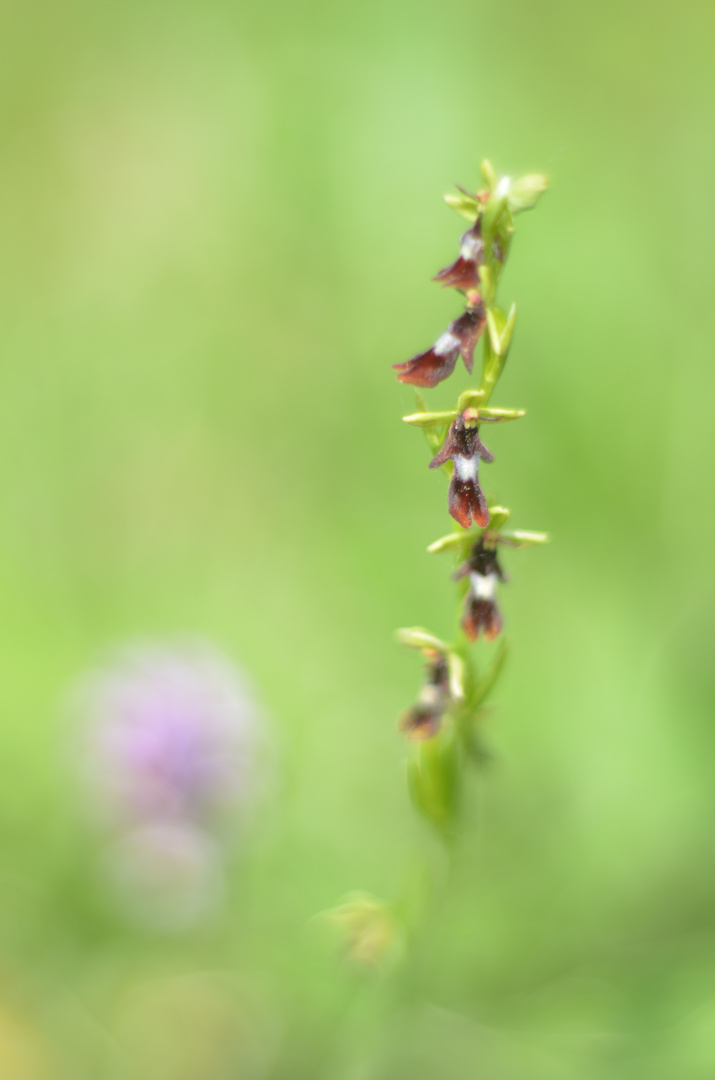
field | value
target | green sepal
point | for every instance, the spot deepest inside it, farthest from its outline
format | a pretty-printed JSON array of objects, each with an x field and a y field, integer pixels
[
  {"x": 452, "y": 542},
  {"x": 464, "y": 205},
  {"x": 501, "y": 415},
  {"x": 430, "y": 419},
  {"x": 417, "y": 638},
  {"x": 525, "y": 192},
  {"x": 523, "y": 538},
  {"x": 433, "y": 779}
]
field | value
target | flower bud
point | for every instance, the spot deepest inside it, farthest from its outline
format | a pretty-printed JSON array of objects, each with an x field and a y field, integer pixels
[{"x": 371, "y": 935}]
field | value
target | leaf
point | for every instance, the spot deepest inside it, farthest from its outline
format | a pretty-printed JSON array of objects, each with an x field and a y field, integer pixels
[
  {"x": 433, "y": 779},
  {"x": 525, "y": 192}
]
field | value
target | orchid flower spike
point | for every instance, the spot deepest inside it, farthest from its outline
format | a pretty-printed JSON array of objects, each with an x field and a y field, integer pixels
[
  {"x": 438, "y": 363},
  {"x": 465, "y": 448},
  {"x": 422, "y": 721},
  {"x": 480, "y": 610}
]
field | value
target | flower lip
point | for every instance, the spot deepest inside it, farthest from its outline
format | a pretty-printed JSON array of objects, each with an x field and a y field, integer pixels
[
  {"x": 424, "y": 719},
  {"x": 464, "y": 447},
  {"x": 463, "y": 273},
  {"x": 437, "y": 363},
  {"x": 481, "y": 614}
]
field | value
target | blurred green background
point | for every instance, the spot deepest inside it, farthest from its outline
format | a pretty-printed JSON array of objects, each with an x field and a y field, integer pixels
[{"x": 218, "y": 222}]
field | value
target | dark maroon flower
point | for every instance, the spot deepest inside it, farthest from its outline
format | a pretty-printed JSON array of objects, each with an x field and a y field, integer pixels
[
  {"x": 423, "y": 719},
  {"x": 465, "y": 448},
  {"x": 480, "y": 610},
  {"x": 438, "y": 363},
  {"x": 464, "y": 273}
]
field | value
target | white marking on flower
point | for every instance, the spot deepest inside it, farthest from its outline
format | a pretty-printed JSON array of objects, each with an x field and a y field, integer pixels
[
  {"x": 431, "y": 696},
  {"x": 483, "y": 586},
  {"x": 466, "y": 468},
  {"x": 471, "y": 247},
  {"x": 447, "y": 343},
  {"x": 503, "y": 187}
]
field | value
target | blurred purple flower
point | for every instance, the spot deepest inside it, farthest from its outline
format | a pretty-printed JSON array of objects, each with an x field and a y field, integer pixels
[
  {"x": 171, "y": 735},
  {"x": 166, "y": 875}
]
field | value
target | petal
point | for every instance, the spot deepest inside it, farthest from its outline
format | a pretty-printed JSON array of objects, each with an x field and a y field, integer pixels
[
  {"x": 485, "y": 455},
  {"x": 468, "y": 329},
  {"x": 450, "y": 447}
]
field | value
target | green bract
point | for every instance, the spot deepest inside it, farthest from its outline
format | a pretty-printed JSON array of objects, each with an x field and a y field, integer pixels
[
  {"x": 434, "y": 779},
  {"x": 501, "y": 329}
]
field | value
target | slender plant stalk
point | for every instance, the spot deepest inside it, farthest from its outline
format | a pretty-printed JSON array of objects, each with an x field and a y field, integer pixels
[{"x": 442, "y": 726}]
